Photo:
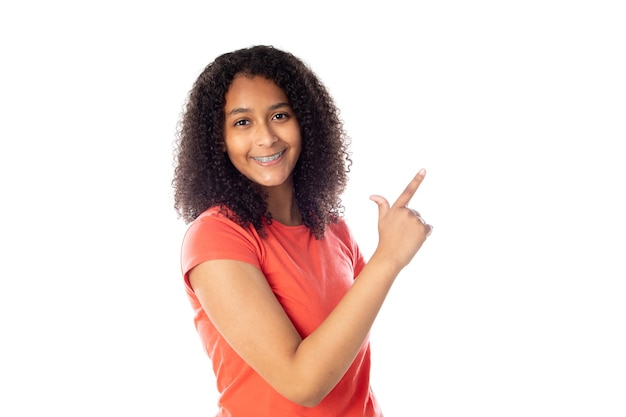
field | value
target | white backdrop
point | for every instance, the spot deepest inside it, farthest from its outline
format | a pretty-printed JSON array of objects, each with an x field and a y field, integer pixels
[{"x": 513, "y": 307}]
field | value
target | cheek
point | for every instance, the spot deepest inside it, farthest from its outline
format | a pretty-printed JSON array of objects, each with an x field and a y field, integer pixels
[
  {"x": 234, "y": 156},
  {"x": 298, "y": 150},
  {"x": 234, "y": 147},
  {"x": 298, "y": 145}
]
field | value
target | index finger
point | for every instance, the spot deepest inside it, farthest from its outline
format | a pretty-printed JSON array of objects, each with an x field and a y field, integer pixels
[{"x": 410, "y": 189}]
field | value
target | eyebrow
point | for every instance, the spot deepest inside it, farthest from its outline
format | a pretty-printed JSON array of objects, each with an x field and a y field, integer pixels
[{"x": 239, "y": 110}]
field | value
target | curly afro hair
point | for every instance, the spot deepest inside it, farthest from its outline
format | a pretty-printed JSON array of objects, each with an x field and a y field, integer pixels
[{"x": 204, "y": 175}]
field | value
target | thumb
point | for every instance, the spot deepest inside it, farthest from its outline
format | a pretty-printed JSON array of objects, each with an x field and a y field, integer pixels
[{"x": 383, "y": 205}]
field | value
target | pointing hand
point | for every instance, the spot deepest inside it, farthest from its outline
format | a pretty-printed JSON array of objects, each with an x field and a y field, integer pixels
[{"x": 401, "y": 230}]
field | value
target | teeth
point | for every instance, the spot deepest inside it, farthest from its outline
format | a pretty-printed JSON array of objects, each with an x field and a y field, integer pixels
[{"x": 268, "y": 158}]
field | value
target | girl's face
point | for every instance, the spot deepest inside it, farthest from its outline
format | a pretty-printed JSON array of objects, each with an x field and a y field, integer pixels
[{"x": 261, "y": 133}]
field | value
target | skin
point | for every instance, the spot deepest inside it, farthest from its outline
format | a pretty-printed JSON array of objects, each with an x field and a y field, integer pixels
[
  {"x": 259, "y": 123},
  {"x": 236, "y": 296}
]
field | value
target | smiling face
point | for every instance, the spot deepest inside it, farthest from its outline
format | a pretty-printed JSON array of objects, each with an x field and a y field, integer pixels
[{"x": 261, "y": 132}]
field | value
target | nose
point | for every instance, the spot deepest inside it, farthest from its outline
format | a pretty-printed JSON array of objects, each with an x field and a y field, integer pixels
[{"x": 265, "y": 135}]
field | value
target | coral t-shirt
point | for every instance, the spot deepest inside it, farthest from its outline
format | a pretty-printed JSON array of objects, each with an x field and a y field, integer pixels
[{"x": 309, "y": 277}]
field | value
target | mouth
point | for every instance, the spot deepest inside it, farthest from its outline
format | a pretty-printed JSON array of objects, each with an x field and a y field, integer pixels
[{"x": 266, "y": 159}]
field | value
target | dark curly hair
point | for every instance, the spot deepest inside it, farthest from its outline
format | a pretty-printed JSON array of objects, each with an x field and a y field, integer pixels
[{"x": 203, "y": 173}]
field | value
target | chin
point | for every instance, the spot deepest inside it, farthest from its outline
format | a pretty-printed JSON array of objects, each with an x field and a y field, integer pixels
[{"x": 270, "y": 183}]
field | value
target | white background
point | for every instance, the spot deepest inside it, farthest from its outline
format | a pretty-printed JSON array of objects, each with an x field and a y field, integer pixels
[{"x": 513, "y": 307}]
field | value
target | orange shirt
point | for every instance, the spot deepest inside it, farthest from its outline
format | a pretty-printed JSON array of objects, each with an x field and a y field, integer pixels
[{"x": 309, "y": 277}]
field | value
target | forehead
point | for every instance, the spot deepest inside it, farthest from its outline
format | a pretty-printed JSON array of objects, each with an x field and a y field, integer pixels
[{"x": 247, "y": 91}]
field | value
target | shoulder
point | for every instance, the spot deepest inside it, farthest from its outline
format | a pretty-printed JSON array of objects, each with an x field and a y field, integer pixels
[
  {"x": 216, "y": 223},
  {"x": 340, "y": 232},
  {"x": 339, "y": 229},
  {"x": 213, "y": 219},
  {"x": 213, "y": 235}
]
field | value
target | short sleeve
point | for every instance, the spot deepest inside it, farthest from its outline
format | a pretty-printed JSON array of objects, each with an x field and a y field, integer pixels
[
  {"x": 344, "y": 234},
  {"x": 213, "y": 236},
  {"x": 358, "y": 258}
]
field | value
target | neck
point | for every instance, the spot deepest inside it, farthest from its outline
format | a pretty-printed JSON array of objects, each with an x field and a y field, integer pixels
[{"x": 281, "y": 203}]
